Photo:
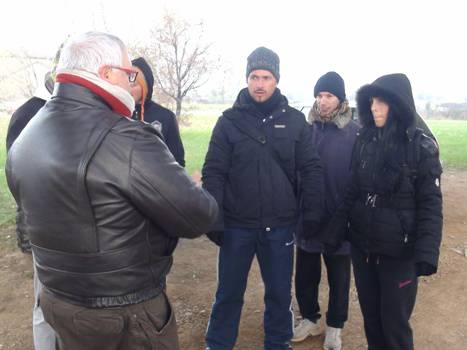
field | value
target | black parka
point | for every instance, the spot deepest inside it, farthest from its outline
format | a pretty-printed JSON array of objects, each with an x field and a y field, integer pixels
[
  {"x": 154, "y": 112},
  {"x": 394, "y": 200},
  {"x": 252, "y": 164}
]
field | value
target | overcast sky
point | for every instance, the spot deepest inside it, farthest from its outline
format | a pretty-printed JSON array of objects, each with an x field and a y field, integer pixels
[{"x": 361, "y": 40}]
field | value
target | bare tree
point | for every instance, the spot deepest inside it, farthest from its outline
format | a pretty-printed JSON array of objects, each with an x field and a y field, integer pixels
[
  {"x": 19, "y": 76},
  {"x": 179, "y": 56}
]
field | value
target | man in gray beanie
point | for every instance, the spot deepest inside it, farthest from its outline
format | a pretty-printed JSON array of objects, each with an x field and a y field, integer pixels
[{"x": 257, "y": 149}]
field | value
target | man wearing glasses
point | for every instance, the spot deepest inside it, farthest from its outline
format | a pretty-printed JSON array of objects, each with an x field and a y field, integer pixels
[{"x": 104, "y": 203}]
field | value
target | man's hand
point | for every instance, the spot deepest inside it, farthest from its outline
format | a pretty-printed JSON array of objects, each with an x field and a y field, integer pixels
[
  {"x": 196, "y": 176},
  {"x": 424, "y": 269}
]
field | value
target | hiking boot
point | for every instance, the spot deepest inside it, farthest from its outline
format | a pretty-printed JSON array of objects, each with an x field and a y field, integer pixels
[
  {"x": 333, "y": 340},
  {"x": 306, "y": 328}
]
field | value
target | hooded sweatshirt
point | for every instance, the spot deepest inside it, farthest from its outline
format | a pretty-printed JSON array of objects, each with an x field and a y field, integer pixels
[{"x": 151, "y": 112}]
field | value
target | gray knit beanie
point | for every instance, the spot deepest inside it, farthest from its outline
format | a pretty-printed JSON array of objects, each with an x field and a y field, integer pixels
[{"x": 263, "y": 58}]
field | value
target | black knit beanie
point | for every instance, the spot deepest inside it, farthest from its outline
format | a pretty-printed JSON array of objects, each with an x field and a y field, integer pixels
[
  {"x": 333, "y": 83},
  {"x": 263, "y": 58},
  {"x": 145, "y": 68}
]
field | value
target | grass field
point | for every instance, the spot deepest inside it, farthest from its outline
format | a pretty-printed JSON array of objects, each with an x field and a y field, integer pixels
[{"x": 452, "y": 136}]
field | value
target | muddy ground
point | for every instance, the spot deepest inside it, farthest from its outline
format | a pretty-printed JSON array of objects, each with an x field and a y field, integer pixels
[{"x": 439, "y": 319}]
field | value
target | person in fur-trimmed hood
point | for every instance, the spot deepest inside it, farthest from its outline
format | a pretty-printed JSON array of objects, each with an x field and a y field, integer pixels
[
  {"x": 334, "y": 134},
  {"x": 394, "y": 207}
]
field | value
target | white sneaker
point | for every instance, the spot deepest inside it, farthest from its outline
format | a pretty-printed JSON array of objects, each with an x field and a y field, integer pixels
[
  {"x": 306, "y": 328},
  {"x": 333, "y": 340}
]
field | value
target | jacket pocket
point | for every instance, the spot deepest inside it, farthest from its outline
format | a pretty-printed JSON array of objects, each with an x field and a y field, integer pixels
[
  {"x": 283, "y": 144},
  {"x": 387, "y": 226},
  {"x": 407, "y": 220},
  {"x": 159, "y": 325}
]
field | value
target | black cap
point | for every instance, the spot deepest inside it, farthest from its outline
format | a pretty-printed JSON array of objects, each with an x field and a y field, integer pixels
[
  {"x": 333, "y": 83},
  {"x": 141, "y": 63}
]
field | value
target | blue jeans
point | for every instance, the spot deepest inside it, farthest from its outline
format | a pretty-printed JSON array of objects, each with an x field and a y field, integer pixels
[{"x": 274, "y": 250}]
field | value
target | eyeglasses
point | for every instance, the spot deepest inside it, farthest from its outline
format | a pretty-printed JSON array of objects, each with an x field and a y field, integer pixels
[{"x": 130, "y": 72}]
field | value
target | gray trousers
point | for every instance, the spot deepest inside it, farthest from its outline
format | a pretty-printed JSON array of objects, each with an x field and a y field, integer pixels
[{"x": 43, "y": 334}]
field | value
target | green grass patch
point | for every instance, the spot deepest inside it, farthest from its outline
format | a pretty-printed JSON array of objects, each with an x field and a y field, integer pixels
[
  {"x": 7, "y": 203},
  {"x": 452, "y": 138},
  {"x": 196, "y": 138}
]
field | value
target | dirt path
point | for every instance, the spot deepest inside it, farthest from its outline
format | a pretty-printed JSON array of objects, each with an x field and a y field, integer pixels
[{"x": 439, "y": 320}]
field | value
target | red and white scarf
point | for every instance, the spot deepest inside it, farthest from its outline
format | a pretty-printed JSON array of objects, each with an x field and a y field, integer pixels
[{"x": 116, "y": 97}]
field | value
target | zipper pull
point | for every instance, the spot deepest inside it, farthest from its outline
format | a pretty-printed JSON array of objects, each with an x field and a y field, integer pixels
[{"x": 405, "y": 238}]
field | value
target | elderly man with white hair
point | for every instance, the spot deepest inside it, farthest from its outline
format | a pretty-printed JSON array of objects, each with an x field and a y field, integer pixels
[{"x": 104, "y": 203}]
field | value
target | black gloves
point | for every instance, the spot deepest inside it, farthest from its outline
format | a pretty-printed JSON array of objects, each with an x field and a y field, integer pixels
[
  {"x": 216, "y": 237},
  {"x": 424, "y": 269},
  {"x": 310, "y": 229}
]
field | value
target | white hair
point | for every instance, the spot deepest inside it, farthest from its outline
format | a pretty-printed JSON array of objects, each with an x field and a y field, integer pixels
[{"x": 91, "y": 50}]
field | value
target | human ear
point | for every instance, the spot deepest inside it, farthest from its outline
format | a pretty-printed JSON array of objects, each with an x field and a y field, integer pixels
[{"x": 103, "y": 72}]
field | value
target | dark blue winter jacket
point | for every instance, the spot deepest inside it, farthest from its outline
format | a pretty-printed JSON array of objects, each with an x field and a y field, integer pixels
[{"x": 334, "y": 141}]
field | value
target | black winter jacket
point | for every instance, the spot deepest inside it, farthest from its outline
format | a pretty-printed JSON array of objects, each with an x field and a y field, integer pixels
[
  {"x": 154, "y": 112},
  {"x": 21, "y": 117},
  {"x": 334, "y": 142},
  {"x": 394, "y": 200},
  {"x": 252, "y": 164},
  {"x": 104, "y": 201}
]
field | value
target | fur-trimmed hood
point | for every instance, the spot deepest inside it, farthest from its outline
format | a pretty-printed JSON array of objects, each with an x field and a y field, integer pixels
[
  {"x": 341, "y": 117},
  {"x": 396, "y": 90}
]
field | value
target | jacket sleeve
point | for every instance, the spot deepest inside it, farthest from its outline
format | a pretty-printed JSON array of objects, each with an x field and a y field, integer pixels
[
  {"x": 428, "y": 199},
  {"x": 334, "y": 232},
  {"x": 216, "y": 168},
  {"x": 311, "y": 178},
  {"x": 164, "y": 192},
  {"x": 174, "y": 141}
]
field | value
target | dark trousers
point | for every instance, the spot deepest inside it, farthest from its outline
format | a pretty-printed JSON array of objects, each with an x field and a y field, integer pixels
[
  {"x": 307, "y": 279},
  {"x": 274, "y": 251},
  {"x": 147, "y": 325},
  {"x": 387, "y": 289}
]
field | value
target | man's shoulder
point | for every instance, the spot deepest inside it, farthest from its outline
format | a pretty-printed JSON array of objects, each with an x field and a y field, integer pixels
[
  {"x": 428, "y": 146},
  {"x": 293, "y": 115},
  {"x": 293, "y": 111},
  {"x": 30, "y": 107},
  {"x": 353, "y": 126},
  {"x": 135, "y": 129},
  {"x": 154, "y": 111}
]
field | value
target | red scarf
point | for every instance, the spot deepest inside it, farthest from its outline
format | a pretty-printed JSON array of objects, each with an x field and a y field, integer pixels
[{"x": 116, "y": 97}]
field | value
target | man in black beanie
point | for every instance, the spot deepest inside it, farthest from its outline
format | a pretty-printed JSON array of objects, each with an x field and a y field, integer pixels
[
  {"x": 256, "y": 150},
  {"x": 150, "y": 111},
  {"x": 334, "y": 133}
]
